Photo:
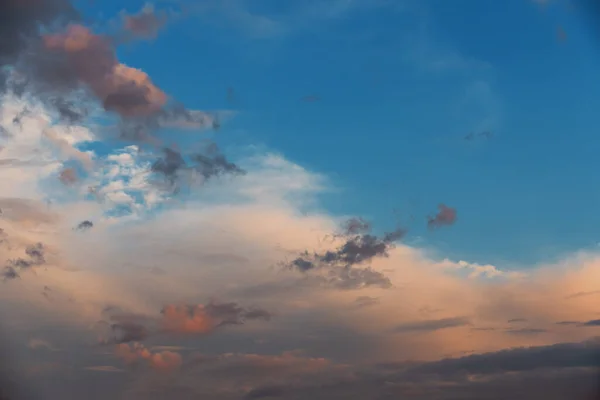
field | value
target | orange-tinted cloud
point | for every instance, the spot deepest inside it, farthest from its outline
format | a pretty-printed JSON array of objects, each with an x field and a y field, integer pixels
[
  {"x": 91, "y": 58},
  {"x": 206, "y": 318},
  {"x": 146, "y": 23},
  {"x": 163, "y": 360},
  {"x": 186, "y": 319}
]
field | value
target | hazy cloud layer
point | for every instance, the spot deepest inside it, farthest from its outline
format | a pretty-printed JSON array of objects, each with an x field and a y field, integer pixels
[{"x": 236, "y": 284}]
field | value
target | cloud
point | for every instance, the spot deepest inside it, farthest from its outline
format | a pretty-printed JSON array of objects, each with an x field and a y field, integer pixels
[
  {"x": 146, "y": 23},
  {"x": 90, "y": 59},
  {"x": 445, "y": 216},
  {"x": 85, "y": 225},
  {"x": 367, "y": 299},
  {"x": 20, "y": 23},
  {"x": 162, "y": 361},
  {"x": 516, "y": 320},
  {"x": 432, "y": 325},
  {"x": 206, "y": 318},
  {"x": 73, "y": 70},
  {"x": 209, "y": 163},
  {"x": 526, "y": 331},
  {"x": 356, "y": 247}
]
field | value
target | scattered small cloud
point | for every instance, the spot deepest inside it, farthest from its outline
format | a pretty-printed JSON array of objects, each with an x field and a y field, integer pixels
[
  {"x": 146, "y": 23},
  {"x": 446, "y": 216}
]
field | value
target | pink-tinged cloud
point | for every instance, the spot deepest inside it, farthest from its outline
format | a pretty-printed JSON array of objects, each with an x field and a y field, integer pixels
[
  {"x": 163, "y": 360},
  {"x": 91, "y": 58},
  {"x": 146, "y": 23},
  {"x": 445, "y": 216},
  {"x": 186, "y": 319},
  {"x": 201, "y": 319}
]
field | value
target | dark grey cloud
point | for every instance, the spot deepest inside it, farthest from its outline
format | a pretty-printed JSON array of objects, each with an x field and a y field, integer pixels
[
  {"x": 20, "y": 21},
  {"x": 342, "y": 268},
  {"x": 169, "y": 164},
  {"x": 209, "y": 163},
  {"x": 35, "y": 257},
  {"x": 68, "y": 110},
  {"x": 122, "y": 327},
  {"x": 594, "y": 322},
  {"x": 36, "y": 253},
  {"x": 355, "y": 226},
  {"x": 128, "y": 331},
  {"x": 432, "y": 325},
  {"x": 84, "y": 225},
  {"x": 9, "y": 273},
  {"x": 234, "y": 314},
  {"x": 562, "y": 355},
  {"x": 445, "y": 216},
  {"x": 515, "y": 320}
]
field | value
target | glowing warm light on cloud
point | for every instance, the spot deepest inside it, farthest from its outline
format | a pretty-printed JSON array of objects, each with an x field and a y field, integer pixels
[
  {"x": 184, "y": 319},
  {"x": 162, "y": 361},
  {"x": 125, "y": 90}
]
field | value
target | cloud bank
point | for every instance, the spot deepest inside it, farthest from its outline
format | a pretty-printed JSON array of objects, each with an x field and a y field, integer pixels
[{"x": 149, "y": 272}]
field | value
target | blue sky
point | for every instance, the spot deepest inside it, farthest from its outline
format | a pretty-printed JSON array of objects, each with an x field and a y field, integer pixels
[{"x": 400, "y": 84}]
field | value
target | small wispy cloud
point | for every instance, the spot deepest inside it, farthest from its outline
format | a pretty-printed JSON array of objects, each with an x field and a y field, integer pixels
[{"x": 432, "y": 325}]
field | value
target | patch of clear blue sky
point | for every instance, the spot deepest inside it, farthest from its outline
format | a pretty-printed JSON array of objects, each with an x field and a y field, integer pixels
[{"x": 400, "y": 87}]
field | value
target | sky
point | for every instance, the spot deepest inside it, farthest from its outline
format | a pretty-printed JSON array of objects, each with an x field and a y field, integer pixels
[{"x": 316, "y": 199}]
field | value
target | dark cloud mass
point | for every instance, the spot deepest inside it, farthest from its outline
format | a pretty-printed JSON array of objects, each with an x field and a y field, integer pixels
[
  {"x": 342, "y": 267},
  {"x": 35, "y": 257},
  {"x": 84, "y": 225},
  {"x": 20, "y": 21},
  {"x": 211, "y": 163}
]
